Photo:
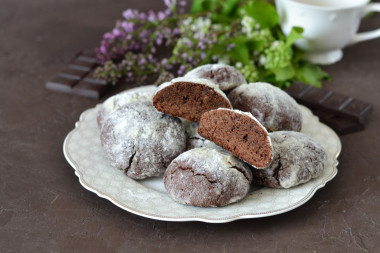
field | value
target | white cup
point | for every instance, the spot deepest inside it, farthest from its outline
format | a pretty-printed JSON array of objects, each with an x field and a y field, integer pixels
[{"x": 329, "y": 25}]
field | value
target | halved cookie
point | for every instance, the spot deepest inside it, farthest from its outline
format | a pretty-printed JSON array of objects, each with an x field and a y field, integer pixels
[
  {"x": 189, "y": 98},
  {"x": 239, "y": 133}
]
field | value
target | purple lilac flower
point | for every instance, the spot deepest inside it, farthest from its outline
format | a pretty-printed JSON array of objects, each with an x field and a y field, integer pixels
[
  {"x": 170, "y": 3},
  {"x": 161, "y": 15},
  {"x": 116, "y": 32},
  {"x": 123, "y": 43},
  {"x": 164, "y": 61},
  {"x": 181, "y": 70},
  {"x": 142, "y": 16},
  {"x": 201, "y": 45},
  {"x": 159, "y": 41},
  {"x": 151, "y": 16},
  {"x": 176, "y": 31},
  {"x": 128, "y": 26},
  {"x": 230, "y": 46},
  {"x": 130, "y": 14}
]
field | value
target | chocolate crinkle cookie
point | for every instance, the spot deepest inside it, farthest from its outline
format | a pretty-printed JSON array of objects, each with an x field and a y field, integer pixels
[
  {"x": 141, "y": 141},
  {"x": 297, "y": 159},
  {"x": 273, "y": 107},
  {"x": 227, "y": 77},
  {"x": 207, "y": 178},
  {"x": 194, "y": 140},
  {"x": 144, "y": 93},
  {"x": 189, "y": 98}
]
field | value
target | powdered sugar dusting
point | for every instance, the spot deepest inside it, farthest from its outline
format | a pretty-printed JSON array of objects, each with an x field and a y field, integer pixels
[
  {"x": 142, "y": 141},
  {"x": 273, "y": 107},
  {"x": 227, "y": 77},
  {"x": 226, "y": 176},
  {"x": 144, "y": 93},
  {"x": 215, "y": 161},
  {"x": 297, "y": 159},
  {"x": 194, "y": 140}
]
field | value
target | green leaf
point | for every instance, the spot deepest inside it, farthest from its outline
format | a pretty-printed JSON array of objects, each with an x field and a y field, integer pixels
[
  {"x": 295, "y": 34},
  {"x": 220, "y": 19},
  {"x": 240, "y": 53},
  {"x": 284, "y": 74},
  {"x": 229, "y": 7},
  {"x": 211, "y": 5},
  {"x": 263, "y": 13},
  {"x": 311, "y": 74},
  {"x": 256, "y": 45},
  {"x": 217, "y": 50},
  {"x": 197, "y": 6},
  {"x": 277, "y": 33}
]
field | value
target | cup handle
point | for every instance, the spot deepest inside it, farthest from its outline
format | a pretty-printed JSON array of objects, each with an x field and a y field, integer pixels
[{"x": 371, "y": 34}]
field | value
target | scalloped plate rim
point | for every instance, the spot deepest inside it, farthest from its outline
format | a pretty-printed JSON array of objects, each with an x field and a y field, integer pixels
[{"x": 98, "y": 192}]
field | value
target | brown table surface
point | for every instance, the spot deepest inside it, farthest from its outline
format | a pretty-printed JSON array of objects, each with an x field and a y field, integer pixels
[{"x": 43, "y": 207}]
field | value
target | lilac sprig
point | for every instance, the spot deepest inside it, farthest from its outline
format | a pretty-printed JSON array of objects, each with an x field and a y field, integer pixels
[
  {"x": 132, "y": 48},
  {"x": 132, "y": 33},
  {"x": 199, "y": 39},
  {"x": 168, "y": 43}
]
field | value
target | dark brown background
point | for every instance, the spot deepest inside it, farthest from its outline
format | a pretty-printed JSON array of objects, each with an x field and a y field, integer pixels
[{"x": 43, "y": 207}]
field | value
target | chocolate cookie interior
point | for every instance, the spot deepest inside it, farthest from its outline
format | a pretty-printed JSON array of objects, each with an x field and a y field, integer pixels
[
  {"x": 188, "y": 100},
  {"x": 238, "y": 133}
]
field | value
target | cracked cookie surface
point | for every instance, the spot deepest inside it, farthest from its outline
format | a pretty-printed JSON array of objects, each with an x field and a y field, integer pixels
[
  {"x": 141, "y": 141},
  {"x": 225, "y": 76},
  {"x": 114, "y": 103},
  {"x": 297, "y": 158},
  {"x": 207, "y": 177},
  {"x": 194, "y": 140},
  {"x": 270, "y": 105}
]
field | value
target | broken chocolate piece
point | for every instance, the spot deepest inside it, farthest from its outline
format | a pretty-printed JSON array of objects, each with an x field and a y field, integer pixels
[
  {"x": 78, "y": 78},
  {"x": 341, "y": 125},
  {"x": 61, "y": 84},
  {"x": 92, "y": 79},
  {"x": 331, "y": 102},
  {"x": 81, "y": 65}
]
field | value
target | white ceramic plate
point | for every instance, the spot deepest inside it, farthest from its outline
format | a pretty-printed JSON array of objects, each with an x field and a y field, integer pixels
[{"x": 148, "y": 198}]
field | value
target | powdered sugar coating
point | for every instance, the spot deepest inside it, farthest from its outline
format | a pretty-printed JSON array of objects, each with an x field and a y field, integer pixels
[
  {"x": 273, "y": 107},
  {"x": 194, "y": 140},
  {"x": 144, "y": 93},
  {"x": 142, "y": 141},
  {"x": 199, "y": 81},
  {"x": 227, "y": 77},
  {"x": 297, "y": 159},
  {"x": 207, "y": 177}
]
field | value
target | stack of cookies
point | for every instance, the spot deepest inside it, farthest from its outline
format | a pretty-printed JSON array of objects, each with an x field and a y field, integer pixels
[{"x": 211, "y": 134}]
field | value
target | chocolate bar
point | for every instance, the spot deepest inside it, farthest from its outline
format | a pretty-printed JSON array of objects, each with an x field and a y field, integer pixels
[
  {"x": 330, "y": 102},
  {"x": 344, "y": 114},
  {"x": 341, "y": 125},
  {"x": 78, "y": 78}
]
